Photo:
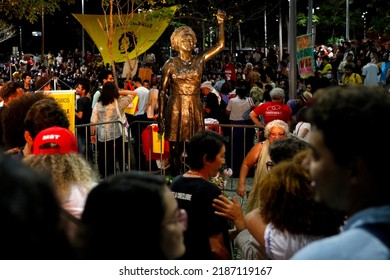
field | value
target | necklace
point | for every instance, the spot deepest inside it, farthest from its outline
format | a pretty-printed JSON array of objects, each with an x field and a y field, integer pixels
[
  {"x": 186, "y": 62},
  {"x": 194, "y": 173}
]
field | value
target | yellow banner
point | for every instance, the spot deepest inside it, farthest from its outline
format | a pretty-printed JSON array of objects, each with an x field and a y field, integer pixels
[
  {"x": 141, "y": 31},
  {"x": 67, "y": 100}
]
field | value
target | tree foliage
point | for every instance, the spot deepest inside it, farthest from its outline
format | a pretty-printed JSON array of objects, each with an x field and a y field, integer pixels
[
  {"x": 29, "y": 10},
  {"x": 7, "y": 31}
]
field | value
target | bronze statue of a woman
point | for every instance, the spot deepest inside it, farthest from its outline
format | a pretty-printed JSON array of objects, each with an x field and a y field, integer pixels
[{"x": 182, "y": 116}]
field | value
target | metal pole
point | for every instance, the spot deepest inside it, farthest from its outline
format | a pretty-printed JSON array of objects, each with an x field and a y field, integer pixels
[
  {"x": 292, "y": 49},
  {"x": 280, "y": 35},
  {"x": 347, "y": 20},
  {"x": 43, "y": 38},
  {"x": 310, "y": 20},
  {"x": 20, "y": 35},
  {"x": 239, "y": 38},
  {"x": 364, "y": 24},
  {"x": 265, "y": 33},
  {"x": 82, "y": 34},
  {"x": 310, "y": 17}
]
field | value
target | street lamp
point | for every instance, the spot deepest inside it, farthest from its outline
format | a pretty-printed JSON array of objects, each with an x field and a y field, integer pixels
[{"x": 364, "y": 24}]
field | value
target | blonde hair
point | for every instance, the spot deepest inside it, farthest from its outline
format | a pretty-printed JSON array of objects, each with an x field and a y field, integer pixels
[
  {"x": 178, "y": 33},
  {"x": 65, "y": 170}
]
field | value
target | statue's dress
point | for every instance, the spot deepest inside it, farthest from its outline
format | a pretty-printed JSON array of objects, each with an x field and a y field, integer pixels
[{"x": 184, "y": 109}]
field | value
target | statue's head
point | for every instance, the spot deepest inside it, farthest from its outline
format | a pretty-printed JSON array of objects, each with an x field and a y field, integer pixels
[{"x": 179, "y": 33}]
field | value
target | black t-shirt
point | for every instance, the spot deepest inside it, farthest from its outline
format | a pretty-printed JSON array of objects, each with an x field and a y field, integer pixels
[
  {"x": 84, "y": 104},
  {"x": 211, "y": 102},
  {"x": 195, "y": 195}
]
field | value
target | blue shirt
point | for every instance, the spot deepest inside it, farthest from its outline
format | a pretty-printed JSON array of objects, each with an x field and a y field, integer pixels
[{"x": 354, "y": 242}]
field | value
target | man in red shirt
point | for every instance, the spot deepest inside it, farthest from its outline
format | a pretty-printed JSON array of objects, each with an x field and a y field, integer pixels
[{"x": 274, "y": 110}]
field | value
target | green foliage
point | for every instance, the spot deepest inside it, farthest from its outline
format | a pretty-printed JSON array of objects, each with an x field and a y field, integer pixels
[
  {"x": 302, "y": 19},
  {"x": 29, "y": 10},
  {"x": 334, "y": 40}
]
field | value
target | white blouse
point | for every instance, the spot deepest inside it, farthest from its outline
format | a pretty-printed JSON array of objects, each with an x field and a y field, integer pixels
[{"x": 282, "y": 245}]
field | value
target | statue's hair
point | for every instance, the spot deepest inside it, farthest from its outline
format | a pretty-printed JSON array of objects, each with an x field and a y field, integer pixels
[{"x": 178, "y": 33}]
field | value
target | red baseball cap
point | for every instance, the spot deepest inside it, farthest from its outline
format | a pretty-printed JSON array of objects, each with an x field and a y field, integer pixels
[{"x": 55, "y": 140}]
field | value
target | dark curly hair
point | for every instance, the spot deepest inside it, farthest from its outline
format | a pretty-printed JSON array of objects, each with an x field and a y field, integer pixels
[
  {"x": 13, "y": 124},
  {"x": 287, "y": 201},
  {"x": 109, "y": 93},
  {"x": 43, "y": 114}
]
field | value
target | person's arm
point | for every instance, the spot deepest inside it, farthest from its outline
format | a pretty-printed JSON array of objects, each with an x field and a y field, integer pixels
[
  {"x": 256, "y": 226},
  {"x": 92, "y": 128},
  {"x": 230, "y": 209},
  {"x": 255, "y": 118},
  {"x": 303, "y": 132},
  {"x": 127, "y": 92},
  {"x": 79, "y": 114},
  {"x": 248, "y": 162},
  {"x": 218, "y": 248}
]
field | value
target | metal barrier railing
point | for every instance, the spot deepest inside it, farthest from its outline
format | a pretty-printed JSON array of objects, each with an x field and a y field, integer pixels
[
  {"x": 91, "y": 152},
  {"x": 241, "y": 139}
]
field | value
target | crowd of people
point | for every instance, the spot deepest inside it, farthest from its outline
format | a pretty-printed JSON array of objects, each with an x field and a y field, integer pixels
[{"x": 318, "y": 183}]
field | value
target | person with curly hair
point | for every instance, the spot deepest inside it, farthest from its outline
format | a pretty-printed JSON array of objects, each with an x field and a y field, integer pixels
[
  {"x": 56, "y": 156},
  {"x": 288, "y": 217},
  {"x": 13, "y": 123}
]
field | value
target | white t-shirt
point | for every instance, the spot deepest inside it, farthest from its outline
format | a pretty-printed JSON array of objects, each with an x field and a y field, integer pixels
[
  {"x": 237, "y": 108},
  {"x": 299, "y": 128},
  {"x": 143, "y": 96},
  {"x": 75, "y": 202},
  {"x": 282, "y": 245}
]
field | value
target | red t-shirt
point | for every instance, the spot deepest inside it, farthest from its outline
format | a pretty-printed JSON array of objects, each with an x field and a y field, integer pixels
[
  {"x": 274, "y": 110},
  {"x": 230, "y": 72}
]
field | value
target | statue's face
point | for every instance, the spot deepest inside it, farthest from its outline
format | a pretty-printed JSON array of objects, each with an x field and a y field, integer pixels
[{"x": 186, "y": 42}]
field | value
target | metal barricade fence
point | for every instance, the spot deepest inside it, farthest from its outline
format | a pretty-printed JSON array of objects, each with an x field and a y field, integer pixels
[
  {"x": 241, "y": 138},
  {"x": 90, "y": 151}
]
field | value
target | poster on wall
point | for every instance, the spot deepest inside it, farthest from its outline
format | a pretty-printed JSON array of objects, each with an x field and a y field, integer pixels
[{"x": 305, "y": 56}]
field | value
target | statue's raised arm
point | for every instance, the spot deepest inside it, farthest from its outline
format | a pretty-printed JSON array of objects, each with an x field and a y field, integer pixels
[{"x": 214, "y": 50}]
